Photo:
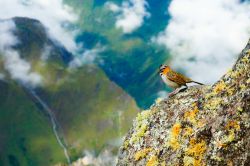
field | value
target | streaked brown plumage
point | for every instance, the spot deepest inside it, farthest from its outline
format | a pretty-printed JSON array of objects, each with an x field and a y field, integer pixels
[{"x": 173, "y": 79}]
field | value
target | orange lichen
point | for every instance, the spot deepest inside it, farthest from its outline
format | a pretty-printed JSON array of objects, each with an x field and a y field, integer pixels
[
  {"x": 232, "y": 124},
  {"x": 153, "y": 161},
  {"x": 176, "y": 129},
  {"x": 173, "y": 140},
  {"x": 142, "y": 153},
  {"x": 191, "y": 115},
  {"x": 196, "y": 149},
  {"x": 198, "y": 162}
]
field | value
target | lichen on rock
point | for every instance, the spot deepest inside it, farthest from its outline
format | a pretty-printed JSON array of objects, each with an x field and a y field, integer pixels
[{"x": 204, "y": 125}]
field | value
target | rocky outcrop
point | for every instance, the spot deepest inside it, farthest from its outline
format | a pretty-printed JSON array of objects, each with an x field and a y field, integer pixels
[{"x": 204, "y": 125}]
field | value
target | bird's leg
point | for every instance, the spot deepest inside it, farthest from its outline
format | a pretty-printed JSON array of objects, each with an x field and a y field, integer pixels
[
  {"x": 174, "y": 92},
  {"x": 177, "y": 90}
]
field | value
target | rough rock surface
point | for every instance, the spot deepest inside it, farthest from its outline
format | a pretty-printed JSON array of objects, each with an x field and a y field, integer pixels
[{"x": 204, "y": 125}]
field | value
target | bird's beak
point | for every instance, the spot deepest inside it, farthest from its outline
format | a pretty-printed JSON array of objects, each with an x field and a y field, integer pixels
[{"x": 159, "y": 69}]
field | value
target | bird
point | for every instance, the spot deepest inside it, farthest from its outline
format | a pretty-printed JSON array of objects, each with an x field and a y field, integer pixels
[{"x": 173, "y": 79}]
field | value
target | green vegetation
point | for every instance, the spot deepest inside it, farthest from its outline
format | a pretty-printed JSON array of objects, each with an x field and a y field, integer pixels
[
  {"x": 26, "y": 135},
  {"x": 91, "y": 110}
]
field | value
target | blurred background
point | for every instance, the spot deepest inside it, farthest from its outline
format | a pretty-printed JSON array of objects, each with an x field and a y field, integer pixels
[{"x": 75, "y": 73}]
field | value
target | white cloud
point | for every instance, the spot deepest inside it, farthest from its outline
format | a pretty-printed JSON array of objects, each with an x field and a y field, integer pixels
[
  {"x": 113, "y": 7},
  {"x": 18, "y": 68},
  {"x": 131, "y": 14},
  {"x": 52, "y": 13},
  {"x": 87, "y": 57},
  {"x": 46, "y": 53},
  {"x": 7, "y": 39},
  {"x": 204, "y": 37},
  {"x": 105, "y": 158}
]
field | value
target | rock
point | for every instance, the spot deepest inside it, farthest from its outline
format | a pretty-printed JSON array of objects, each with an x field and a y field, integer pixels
[{"x": 204, "y": 125}]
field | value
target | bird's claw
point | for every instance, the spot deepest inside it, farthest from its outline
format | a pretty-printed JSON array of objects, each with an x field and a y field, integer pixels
[
  {"x": 173, "y": 93},
  {"x": 176, "y": 91}
]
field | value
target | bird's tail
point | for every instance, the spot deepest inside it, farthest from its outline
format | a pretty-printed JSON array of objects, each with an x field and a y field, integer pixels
[{"x": 197, "y": 82}]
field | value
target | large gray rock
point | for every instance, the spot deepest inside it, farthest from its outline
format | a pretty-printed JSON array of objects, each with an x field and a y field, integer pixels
[{"x": 204, "y": 125}]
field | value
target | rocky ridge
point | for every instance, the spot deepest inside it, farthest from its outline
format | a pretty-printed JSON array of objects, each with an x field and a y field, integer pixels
[{"x": 204, "y": 125}]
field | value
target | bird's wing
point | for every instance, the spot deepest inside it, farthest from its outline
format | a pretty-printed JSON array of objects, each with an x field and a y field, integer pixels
[
  {"x": 186, "y": 79},
  {"x": 176, "y": 77}
]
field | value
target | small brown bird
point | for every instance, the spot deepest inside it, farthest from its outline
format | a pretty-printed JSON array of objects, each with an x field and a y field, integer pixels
[{"x": 173, "y": 79}]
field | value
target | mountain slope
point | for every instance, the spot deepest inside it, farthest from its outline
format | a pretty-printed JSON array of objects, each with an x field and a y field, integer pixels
[
  {"x": 87, "y": 110},
  {"x": 26, "y": 134}
]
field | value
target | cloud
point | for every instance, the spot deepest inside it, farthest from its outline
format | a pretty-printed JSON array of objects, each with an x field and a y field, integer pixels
[
  {"x": 18, "y": 68},
  {"x": 204, "y": 36},
  {"x": 7, "y": 39},
  {"x": 131, "y": 14},
  {"x": 87, "y": 57},
  {"x": 46, "y": 53},
  {"x": 55, "y": 15},
  {"x": 105, "y": 158}
]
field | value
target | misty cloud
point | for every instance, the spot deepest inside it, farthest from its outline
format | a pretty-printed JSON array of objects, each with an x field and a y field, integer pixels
[
  {"x": 105, "y": 158},
  {"x": 46, "y": 53},
  {"x": 87, "y": 57},
  {"x": 205, "y": 37},
  {"x": 52, "y": 13},
  {"x": 18, "y": 68},
  {"x": 131, "y": 14}
]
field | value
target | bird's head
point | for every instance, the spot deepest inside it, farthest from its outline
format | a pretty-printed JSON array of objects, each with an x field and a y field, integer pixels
[{"x": 163, "y": 69}]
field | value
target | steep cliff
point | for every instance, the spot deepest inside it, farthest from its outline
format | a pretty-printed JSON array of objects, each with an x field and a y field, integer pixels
[{"x": 204, "y": 125}]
